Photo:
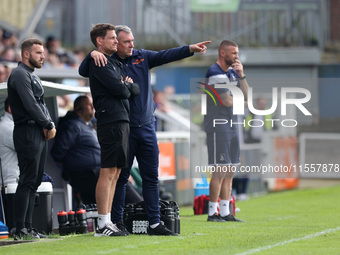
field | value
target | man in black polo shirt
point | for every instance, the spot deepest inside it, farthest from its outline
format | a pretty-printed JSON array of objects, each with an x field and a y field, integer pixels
[{"x": 33, "y": 128}]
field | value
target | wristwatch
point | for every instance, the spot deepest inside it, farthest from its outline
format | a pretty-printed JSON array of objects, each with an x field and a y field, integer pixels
[
  {"x": 50, "y": 126},
  {"x": 242, "y": 78}
]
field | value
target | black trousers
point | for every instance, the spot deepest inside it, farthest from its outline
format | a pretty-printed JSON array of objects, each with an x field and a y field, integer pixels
[
  {"x": 85, "y": 183},
  {"x": 132, "y": 196},
  {"x": 31, "y": 148}
]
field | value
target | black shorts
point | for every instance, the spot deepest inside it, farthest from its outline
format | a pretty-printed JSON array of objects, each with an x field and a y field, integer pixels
[
  {"x": 223, "y": 148},
  {"x": 114, "y": 140}
]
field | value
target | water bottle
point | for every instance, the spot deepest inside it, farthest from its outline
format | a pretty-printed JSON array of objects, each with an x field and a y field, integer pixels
[
  {"x": 94, "y": 216},
  {"x": 82, "y": 225},
  {"x": 169, "y": 219},
  {"x": 89, "y": 221},
  {"x": 62, "y": 220},
  {"x": 71, "y": 218},
  {"x": 232, "y": 205},
  {"x": 175, "y": 207}
]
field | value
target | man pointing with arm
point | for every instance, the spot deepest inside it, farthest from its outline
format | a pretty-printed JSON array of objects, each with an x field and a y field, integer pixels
[{"x": 142, "y": 140}]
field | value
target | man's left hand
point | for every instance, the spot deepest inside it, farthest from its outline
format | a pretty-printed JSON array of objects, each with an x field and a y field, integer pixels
[
  {"x": 49, "y": 134},
  {"x": 199, "y": 47}
]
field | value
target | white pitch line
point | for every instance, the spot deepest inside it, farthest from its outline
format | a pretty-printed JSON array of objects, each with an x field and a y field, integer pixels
[{"x": 289, "y": 241}]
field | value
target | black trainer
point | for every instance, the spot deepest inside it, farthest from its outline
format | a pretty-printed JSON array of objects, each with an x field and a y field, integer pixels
[
  {"x": 108, "y": 230},
  {"x": 122, "y": 228},
  {"x": 215, "y": 218},
  {"x": 22, "y": 235},
  {"x": 35, "y": 234},
  {"x": 160, "y": 230},
  {"x": 230, "y": 217}
]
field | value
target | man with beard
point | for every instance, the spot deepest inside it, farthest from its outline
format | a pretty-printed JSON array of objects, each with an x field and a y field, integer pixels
[
  {"x": 222, "y": 140},
  {"x": 33, "y": 127}
]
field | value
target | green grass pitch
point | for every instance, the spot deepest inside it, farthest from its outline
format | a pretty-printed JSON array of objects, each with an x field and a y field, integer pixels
[{"x": 290, "y": 222}]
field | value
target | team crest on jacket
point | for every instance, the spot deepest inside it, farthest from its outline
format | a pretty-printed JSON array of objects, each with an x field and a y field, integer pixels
[{"x": 137, "y": 61}]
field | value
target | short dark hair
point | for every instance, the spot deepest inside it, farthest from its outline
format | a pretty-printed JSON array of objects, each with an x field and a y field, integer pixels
[
  {"x": 28, "y": 43},
  {"x": 225, "y": 43},
  {"x": 77, "y": 104},
  {"x": 100, "y": 30},
  {"x": 7, "y": 105}
]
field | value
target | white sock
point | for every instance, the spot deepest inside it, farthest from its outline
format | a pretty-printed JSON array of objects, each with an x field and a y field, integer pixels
[
  {"x": 224, "y": 207},
  {"x": 212, "y": 208},
  {"x": 102, "y": 220},
  {"x": 109, "y": 216},
  {"x": 154, "y": 225}
]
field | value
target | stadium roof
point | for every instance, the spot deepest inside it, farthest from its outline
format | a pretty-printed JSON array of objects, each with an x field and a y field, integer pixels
[{"x": 52, "y": 89}]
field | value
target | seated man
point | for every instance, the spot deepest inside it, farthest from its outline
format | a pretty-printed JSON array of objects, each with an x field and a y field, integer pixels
[
  {"x": 77, "y": 149},
  {"x": 8, "y": 155}
]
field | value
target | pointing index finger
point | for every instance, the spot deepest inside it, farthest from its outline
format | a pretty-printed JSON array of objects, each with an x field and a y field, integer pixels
[{"x": 205, "y": 42}]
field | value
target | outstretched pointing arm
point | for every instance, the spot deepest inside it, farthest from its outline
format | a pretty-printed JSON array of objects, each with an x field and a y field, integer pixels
[{"x": 199, "y": 47}]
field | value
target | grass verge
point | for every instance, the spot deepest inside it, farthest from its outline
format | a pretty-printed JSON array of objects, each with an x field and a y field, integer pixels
[{"x": 290, "y": 222}]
